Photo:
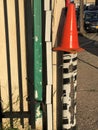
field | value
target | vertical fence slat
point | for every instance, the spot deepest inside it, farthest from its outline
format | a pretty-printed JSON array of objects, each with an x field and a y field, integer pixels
[
  {"x": 46, "y": 4},
  {"x": 23, "y": 52},
  {"x": 29, "y": 62},
  {"x": 19, "y": 59},
  {"x": 8, "y": 60},
  {"x": 48, "y": 26},
  {"x": 13, "y": 53}
]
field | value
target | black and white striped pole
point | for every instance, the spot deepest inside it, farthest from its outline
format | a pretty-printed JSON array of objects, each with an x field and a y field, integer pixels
[
  {"x": 70, "y": 46},
  {"x": 74, "y": 87},
  {"x": 66, "y": 92},
  {"x": 69, "y": 91}
]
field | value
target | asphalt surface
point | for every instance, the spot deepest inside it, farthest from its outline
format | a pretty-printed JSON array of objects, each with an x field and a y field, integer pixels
[{"x": 87, "y": 90}]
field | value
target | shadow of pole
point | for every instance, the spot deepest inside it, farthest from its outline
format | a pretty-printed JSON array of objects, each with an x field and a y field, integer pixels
[{"x": 88, "y": 44}]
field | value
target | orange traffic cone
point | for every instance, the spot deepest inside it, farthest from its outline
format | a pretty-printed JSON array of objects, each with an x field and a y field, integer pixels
[{"x": 69, "y": 40}]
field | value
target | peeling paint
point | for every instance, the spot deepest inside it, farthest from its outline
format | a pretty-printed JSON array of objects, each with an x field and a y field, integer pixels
[
  {"x": 38, "y": 60},
  {"x": 40, "y": 83},
  {"x": 36, "y": 38},
  {"x": 36, "y": 94},
  {"x": 38, "y": 111},
  {"x": 40, "y": 70}
]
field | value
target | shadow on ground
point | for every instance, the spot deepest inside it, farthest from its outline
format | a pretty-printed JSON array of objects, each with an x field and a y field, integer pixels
[
  {"x": 87, "y": 90},
  {"x": 89, "y": 42}
]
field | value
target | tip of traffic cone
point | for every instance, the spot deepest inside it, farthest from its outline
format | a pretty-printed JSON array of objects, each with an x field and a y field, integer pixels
[{"x": 69, "y": 40}]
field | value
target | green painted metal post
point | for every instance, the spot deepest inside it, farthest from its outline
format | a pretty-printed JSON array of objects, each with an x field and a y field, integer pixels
[{"x": 37, "y": 16}]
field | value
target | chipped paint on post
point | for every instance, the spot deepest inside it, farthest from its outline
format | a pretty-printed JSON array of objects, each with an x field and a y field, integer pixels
[
  {"x": 38, "y": 113},
  {"x": 37, "y": 28}
]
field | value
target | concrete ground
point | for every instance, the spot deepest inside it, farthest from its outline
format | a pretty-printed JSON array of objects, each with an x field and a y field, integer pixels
[{"x": 87, "y": 91}]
